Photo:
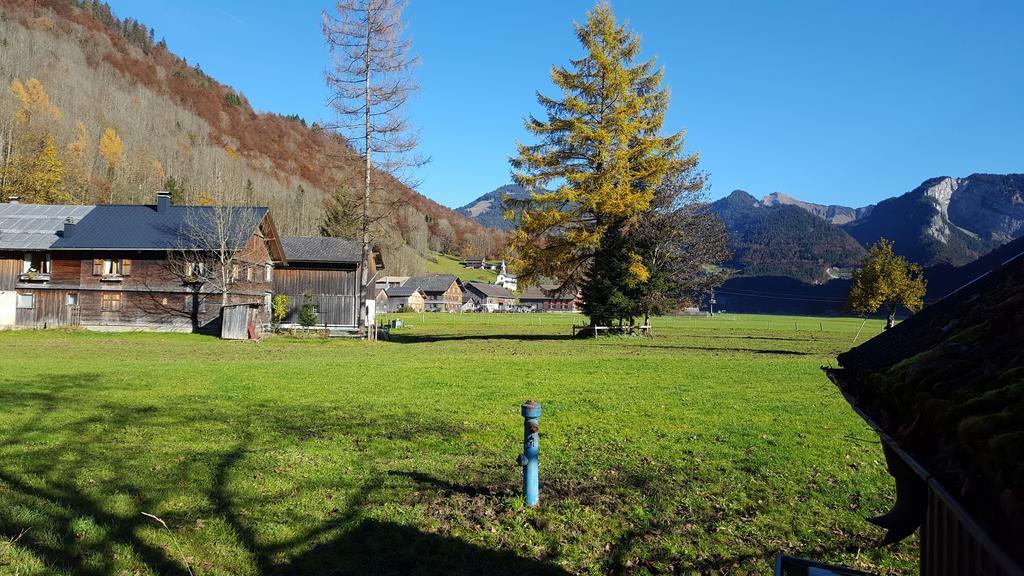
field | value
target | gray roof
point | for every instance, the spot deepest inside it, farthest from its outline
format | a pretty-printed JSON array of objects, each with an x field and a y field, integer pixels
[
  {"x": 433, "y": 283},
  {"x": 401, "y": 291},
  {"x": 117, "y": 226},
  {"x": 320, "y": 249},
  {"x": 548, "y": 292},
  {"x": 35, "y": 226},
  {"x": 490, "y": 290}
]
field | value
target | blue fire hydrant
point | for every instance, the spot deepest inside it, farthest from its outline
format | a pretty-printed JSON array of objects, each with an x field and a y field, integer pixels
[{"x": 531, "y": 449}]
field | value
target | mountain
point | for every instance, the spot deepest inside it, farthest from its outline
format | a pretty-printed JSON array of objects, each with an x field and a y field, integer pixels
[
  {"x": 784, "y": 239},
  {"x": 948, "y": 220},
  {"x": 782, "y": 295},
  {"x": 127, "y": 117},
  {"x": 830, "y": 213},
  {"x": 489, "y": 209}
]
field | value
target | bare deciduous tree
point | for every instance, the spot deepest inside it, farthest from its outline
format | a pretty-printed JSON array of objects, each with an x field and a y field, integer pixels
[
  {"x": 213, "y": 253},
  {"x": 370, "y": 82}
]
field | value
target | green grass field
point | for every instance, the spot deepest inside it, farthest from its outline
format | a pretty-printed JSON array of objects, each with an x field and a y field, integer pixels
[
  {"x": 703, "y": 450},
  {"x": 446, "y": 264}
]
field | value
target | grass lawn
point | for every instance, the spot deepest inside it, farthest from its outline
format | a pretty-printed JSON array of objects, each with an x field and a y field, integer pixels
[
  {"x": 703, "y": 450},
  {"x": 446, "y": 264}
]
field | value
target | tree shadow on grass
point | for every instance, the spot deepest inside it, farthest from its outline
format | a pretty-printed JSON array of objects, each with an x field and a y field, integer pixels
[
  {"x": 732, "y": 349},
  {"x": 427, "y": 338},
  {"x": 44, "y": 502}
]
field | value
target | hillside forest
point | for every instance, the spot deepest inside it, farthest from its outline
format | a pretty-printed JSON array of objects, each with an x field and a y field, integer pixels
[{"x": 164, "y": 124}]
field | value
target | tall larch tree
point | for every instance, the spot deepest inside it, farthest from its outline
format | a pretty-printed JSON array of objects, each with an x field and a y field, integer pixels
[
  {"x": 370, "y": 81},
  {"x": 885, "y": 280},
  {"x": 594, "y": 172}
]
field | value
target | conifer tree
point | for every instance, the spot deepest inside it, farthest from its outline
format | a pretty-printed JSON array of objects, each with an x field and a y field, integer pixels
[{"x": 594, "y": 172}]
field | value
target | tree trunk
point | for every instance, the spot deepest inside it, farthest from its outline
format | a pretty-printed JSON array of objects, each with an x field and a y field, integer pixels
[
  {"x": 365, "y": 278},
  {"x": 891, "y": 319}
]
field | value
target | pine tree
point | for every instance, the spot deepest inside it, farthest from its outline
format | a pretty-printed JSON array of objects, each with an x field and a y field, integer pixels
[
  {"x": 307, "y": 311},
  {"x": 341, "y": 215},
  {"x": 601, "y": 148},
  {"x": 885, "y": 280}
]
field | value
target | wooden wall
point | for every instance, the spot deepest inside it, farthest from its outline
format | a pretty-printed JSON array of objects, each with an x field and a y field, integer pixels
[{"x": 335, "y": 292}]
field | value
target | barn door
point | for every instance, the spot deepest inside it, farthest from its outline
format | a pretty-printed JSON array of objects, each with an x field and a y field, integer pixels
[{"x": 337, "y": 310}]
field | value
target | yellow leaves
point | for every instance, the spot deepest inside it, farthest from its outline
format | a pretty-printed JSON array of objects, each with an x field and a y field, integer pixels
[
  {"x": 78, "y": 147},
  {"x": 638, "y": 273},
  {"x": 885, "y": 279},
  {"x": 204, "y": 199},
  {"x": 33, "y": 102},
  {"x": 231, "y": 152},
  {"x": 112, "y": 149},
  {"x": 43, "y": 176}
]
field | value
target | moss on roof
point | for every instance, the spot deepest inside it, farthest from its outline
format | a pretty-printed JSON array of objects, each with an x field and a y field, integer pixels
[{"x": 948, "y": 386}]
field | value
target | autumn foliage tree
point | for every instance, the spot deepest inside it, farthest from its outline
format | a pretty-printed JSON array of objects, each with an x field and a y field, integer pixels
[
  {"x": 594, "y": 173},
  {"x": 885, "y": 280}
]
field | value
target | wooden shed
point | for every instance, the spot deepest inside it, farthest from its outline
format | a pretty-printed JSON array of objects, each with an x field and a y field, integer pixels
[{"x": 330, "y": 270}]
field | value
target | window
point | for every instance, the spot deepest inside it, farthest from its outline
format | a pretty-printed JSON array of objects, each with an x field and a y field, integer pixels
[
  {"x": 71, "y": 299},
  {"x": 234, "y": 272},
  {"x": 26, "y": 300},
  {"x": 268, "y": 273},
  {"x": 111, "y": 269},
  {"x": 36, "y": 263},
  {"x": 195, "y": 269},
  {"x": 110, "y": 301},
  {"x": 249, "y": 273}
]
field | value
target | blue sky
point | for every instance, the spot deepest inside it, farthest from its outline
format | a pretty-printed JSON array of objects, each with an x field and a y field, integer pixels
[{"x": 832, "y": 101}]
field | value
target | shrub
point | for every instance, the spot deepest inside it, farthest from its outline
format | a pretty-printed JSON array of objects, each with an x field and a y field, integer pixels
[
  {"x": 405, "y": 309},
  {"x": 279, "y": 309},
  {"x": 307, "y": 312},
  {"x": 233, "y": 99}
]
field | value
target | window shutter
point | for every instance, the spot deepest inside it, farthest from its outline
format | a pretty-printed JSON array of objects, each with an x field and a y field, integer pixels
[
  {"x": 97, "y": 267},
  {"x": 126, "y": 267}
]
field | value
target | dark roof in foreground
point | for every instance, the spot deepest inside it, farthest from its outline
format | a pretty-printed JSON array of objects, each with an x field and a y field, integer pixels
[
  {"x": 432, "y": 283},
  {"x": 490, "y": 290},
  {"x": 947, "y": 385},
  {"x": 320, "y": 249}
]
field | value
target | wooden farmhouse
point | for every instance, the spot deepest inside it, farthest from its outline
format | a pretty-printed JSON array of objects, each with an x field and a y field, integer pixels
[
  {"x": 330, "y": 270},
  {"x": 441, "y": 292},
  {"x": 549, "y": 299},
  {"x": 126, "y": 267},
  {"x": 488, "y": 297},
  {"x": 411, "y": 297},
  {"x": 945, "y": 391}
]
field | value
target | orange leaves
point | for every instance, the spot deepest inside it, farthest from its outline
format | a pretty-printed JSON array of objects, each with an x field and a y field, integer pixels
[{"x": 33, "y": 102}]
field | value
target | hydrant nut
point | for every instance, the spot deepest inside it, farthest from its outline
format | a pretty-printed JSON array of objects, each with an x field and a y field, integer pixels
[{"x": 522, "y": 460}]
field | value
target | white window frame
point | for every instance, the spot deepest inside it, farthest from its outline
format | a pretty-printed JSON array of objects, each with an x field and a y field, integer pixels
[
  {"x": 20, "y": 299},
  {"x": 45, "y": 265},
  {"x": 113, "y": 267},
  {"x": 72, "y": 296}
]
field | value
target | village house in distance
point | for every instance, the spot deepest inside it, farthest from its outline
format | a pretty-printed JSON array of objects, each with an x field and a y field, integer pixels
[{"x": 149, "y": 267}]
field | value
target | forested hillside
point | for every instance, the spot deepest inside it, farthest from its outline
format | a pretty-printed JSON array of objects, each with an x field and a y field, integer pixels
[
  {"x": 162, "y": 123},
  {"x": 784, "y": 240}
]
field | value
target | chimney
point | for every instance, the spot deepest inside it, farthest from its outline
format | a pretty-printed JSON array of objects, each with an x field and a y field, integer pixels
[
  {"x": 69, "y": 227},
  {"x": 14, "y": 199},
  {"x": 163, "y": 201}
]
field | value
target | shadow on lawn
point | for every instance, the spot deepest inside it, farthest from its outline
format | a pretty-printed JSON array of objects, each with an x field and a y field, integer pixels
[
  {"x": 425, "y": 338},
  {"x": 45, "y": 501}
]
